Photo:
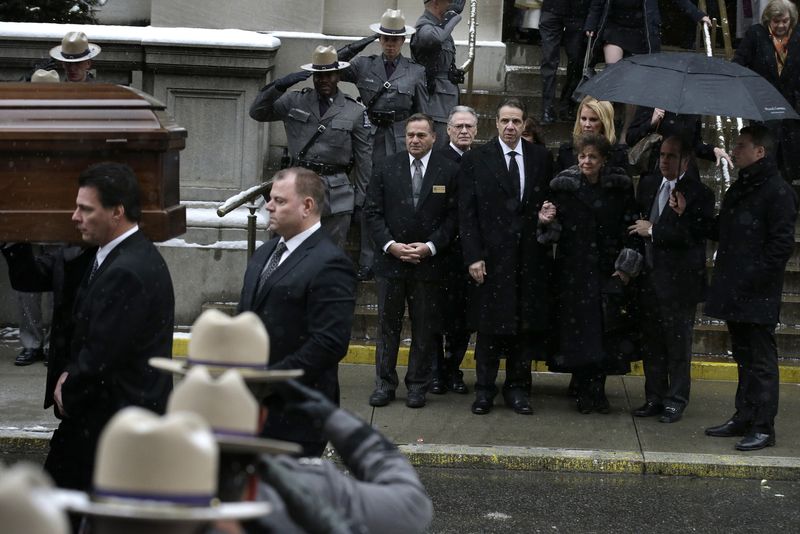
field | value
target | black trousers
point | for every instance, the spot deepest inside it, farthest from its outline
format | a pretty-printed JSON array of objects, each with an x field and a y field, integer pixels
[
  {"x": 70, "y": 461},
  {"x": 451, "y": 345},
  {"x": 422, "y": 298},
  {"x": 556, "y": 30},
  {"x": 518, "y": 351},
  {"x": 667, "y": 350},
  {"x": 756, "y": 355}
]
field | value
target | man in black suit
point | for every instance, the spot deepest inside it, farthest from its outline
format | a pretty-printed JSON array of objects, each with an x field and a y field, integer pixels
[
  {"x": 755, "y": 229},
  {"x": 462, "y": 126},
  {"x": 122, "y": 315},
  {"x": 673, "y": 280},
  {"x": 502, "y": 185},
  {"x": 412, "y": 215},
  {"x": 303, "y": 288}
]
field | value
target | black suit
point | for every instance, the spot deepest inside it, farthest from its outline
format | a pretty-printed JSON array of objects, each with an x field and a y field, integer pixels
[
  {"x": 392, "y": 216},
  {"x": 498, "y": 227},
  {"x": 121, "y": 318},
  {"x": 307, "y": 307},
  {"x": 670, "y": 286}
]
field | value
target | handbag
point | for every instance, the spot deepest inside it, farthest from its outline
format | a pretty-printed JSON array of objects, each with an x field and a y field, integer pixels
[
  {"x": 588, "y": 71},
  {"x": 639, "y": 154}
]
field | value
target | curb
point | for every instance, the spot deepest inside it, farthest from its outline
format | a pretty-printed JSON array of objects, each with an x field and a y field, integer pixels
[
  {"x": 607, "y": 462},
  {"x": 701, "y": 369}
]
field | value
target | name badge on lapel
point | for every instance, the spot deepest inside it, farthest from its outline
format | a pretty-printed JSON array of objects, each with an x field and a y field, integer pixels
[{"x": 439, "y": 189}]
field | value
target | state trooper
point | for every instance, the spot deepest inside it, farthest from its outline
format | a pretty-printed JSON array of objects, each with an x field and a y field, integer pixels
[
  {"x": 432, "y": 46},
  {"x": 327, "y": 132},
  {"x": 392, "y": 87}
]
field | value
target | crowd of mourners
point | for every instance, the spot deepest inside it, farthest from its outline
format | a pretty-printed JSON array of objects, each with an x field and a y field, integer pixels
[{"x": 588, "y": 258}]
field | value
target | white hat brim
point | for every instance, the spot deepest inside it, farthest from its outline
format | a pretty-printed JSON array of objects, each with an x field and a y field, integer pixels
[
  {"x": 310, "y": 67},
  {"x": 257, "y": 445},
  {"x": 181, "y": 367},
  {"x": 377, "y": 29},
  {"x": 80, "y": 503},
  {"x": 55, "y": 53}
]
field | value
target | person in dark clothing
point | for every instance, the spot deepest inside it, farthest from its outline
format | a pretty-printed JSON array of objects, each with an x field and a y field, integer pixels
[
  {"x": 673, "y": 280},
  {"x": 587, "y": 218},
  {"x": 561, "y": 24},
  {"x": 771, "y": 49},
  {"x": 755, "y": 230}
]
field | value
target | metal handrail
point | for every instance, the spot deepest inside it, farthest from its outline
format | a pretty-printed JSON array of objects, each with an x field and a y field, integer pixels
[
  {"x": 248, "y": 196},
  {"x": 471, "y": 39}
]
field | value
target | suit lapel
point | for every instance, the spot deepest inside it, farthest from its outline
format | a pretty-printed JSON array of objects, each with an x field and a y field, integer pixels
[
  {"x": 400, "y": 69},
  {"x": 500, "y": 168},
  {"x": 336, "y": 106},
  {"x": 312, "y": 104},
  {"x": 289, "y": 264},
  {"x": 431, "y": 172}
]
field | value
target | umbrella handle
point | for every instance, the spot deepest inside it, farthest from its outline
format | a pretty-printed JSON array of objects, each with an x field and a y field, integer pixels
[{"x": 726, "y": 175}]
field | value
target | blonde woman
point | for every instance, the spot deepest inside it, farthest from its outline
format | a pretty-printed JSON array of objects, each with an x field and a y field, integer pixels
[{"x": 594, "y": 116}]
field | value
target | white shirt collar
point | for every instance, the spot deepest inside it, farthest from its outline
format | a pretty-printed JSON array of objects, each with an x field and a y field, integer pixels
[
  {"x": 507, "y": 149},
  {"x": 424, "y": 159},
  {"x": 458, "y": 150},
  {"x": 105, "y": 250},
  {"x": 296, "y": 241},
  {"x": 673, "y": 184}
]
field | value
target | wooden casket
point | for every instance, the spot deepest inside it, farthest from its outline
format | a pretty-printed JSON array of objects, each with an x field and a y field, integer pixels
[{"x": 51, "y": 132}]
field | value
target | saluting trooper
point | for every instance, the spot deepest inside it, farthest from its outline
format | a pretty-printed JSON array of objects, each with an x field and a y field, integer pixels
[
  {"x": 327, "y": 132},
  {"x": 392, "y": 87}
]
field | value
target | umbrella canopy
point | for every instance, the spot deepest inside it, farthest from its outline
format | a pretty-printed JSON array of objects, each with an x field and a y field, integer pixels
[{"x": 689, "y": 83}]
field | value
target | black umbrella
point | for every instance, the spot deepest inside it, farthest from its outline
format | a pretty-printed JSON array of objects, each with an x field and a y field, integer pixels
[{"x": 688, "y": 83}]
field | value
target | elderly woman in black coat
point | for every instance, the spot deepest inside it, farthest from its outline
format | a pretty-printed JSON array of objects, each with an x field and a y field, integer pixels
[
  {"x": 591, "y": 206},
  {"x": 772, "y": 49}
]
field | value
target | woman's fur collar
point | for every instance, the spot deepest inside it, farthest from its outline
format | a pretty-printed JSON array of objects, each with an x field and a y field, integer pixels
[{"x": 570, "y": 180}]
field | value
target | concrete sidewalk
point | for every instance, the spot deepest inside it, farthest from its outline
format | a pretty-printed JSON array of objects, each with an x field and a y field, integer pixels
[{"x": 556, "y": 438}]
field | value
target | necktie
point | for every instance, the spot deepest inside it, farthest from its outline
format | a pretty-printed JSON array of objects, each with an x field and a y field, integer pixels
[
  {"x": 272, "y": 264},
  {"x": 324, "y": 104},
  {"x": 416, "y": 181},
  {"x": 661, "y": 202},
  {"x": 95, "y": 267},
  {"x": 513, "y": 172},
  {"x": 390, "y": 66}
]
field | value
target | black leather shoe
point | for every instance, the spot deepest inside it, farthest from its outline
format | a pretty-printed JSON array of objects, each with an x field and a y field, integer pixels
[
  {"x": 415, "y": 399},
  {"x": 756, "y": 441},
  {"x": 28, "y": 357},
  {"x": 364, "y": 274},
  {"x": 381, "y": 398},
  {"x": 438, "y": 387},
  {"x": 671, "y": 415},
  {"x": 483, "y": 404},
  {"x": 456, "y": 384},
  {"x": 728, "y": 429},
  {"x": 517, "y": 401},
  {"x": 648, "y": 409}
]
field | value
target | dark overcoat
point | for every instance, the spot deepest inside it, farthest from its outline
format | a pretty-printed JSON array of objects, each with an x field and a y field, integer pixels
[
  {"x": 757, "y": 53},
  {"x": 391, "y": 215},
  {"x": 495, "y": 226},
  {"x": 307, "y": 307},
  {"x": 594, "y": 221},
  {"x": 755, "y": 230}
]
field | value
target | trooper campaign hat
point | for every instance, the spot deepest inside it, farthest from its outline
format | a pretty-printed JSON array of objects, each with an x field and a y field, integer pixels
[
  {"x": 74, "y": 47},
  {"x": 325, "y": 59},
  {"x": 45, "y": 76},
  {"x": 393, "y": 24},
  {"x": 27, "y": 504},
  {"x": 156, "y": 468},
  {"x": 220, "y": 342},
  {"x": 230, "y": 410}
]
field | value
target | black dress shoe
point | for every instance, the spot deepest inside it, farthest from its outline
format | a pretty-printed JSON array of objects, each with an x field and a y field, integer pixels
[
  {"x": 517, "y": 401},
  {"x": 438, "y": 387},
  {"x": 648, "y": 409},
  {"x": 457, "y": 385},
  {"x": 671, "y": 415},
  {"x": 381, "y": 398},
  {"x": 364, "y": 274},
  {"x": 28, "y": 357},
  {"x": 755, "y": 441},
  {"x": 728, "y": 429},
  {"x": 483, "y": 404},
  {"x": 415, "y": 399}
]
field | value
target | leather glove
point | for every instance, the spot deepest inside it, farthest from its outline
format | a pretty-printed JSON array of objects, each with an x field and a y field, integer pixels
[
  {"x": 457, "y": 6},
  {"x": 282, "y": 84},
  {"x": 309, "y": 402},
  {"x": 348, "y": 52},
  {"x": 313, "y": 515}
]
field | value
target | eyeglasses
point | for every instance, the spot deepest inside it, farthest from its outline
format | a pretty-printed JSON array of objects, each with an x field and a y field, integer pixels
[{"x": 459, "y": 127}]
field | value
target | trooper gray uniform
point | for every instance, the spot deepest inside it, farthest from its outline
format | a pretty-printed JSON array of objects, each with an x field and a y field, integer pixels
[
  {"x": 383, "y": 494},
  {"x": 433, "y": 48},
  {"x": 345, "y": 141}
]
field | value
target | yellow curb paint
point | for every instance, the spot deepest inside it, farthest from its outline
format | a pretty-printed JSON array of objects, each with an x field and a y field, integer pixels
[{"x": 701, "y": 370}]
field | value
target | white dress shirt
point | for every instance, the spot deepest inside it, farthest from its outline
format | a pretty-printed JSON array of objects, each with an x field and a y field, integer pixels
[
  {"x": 105, "y": 250},
  {"x": 296, "y": 241}
]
